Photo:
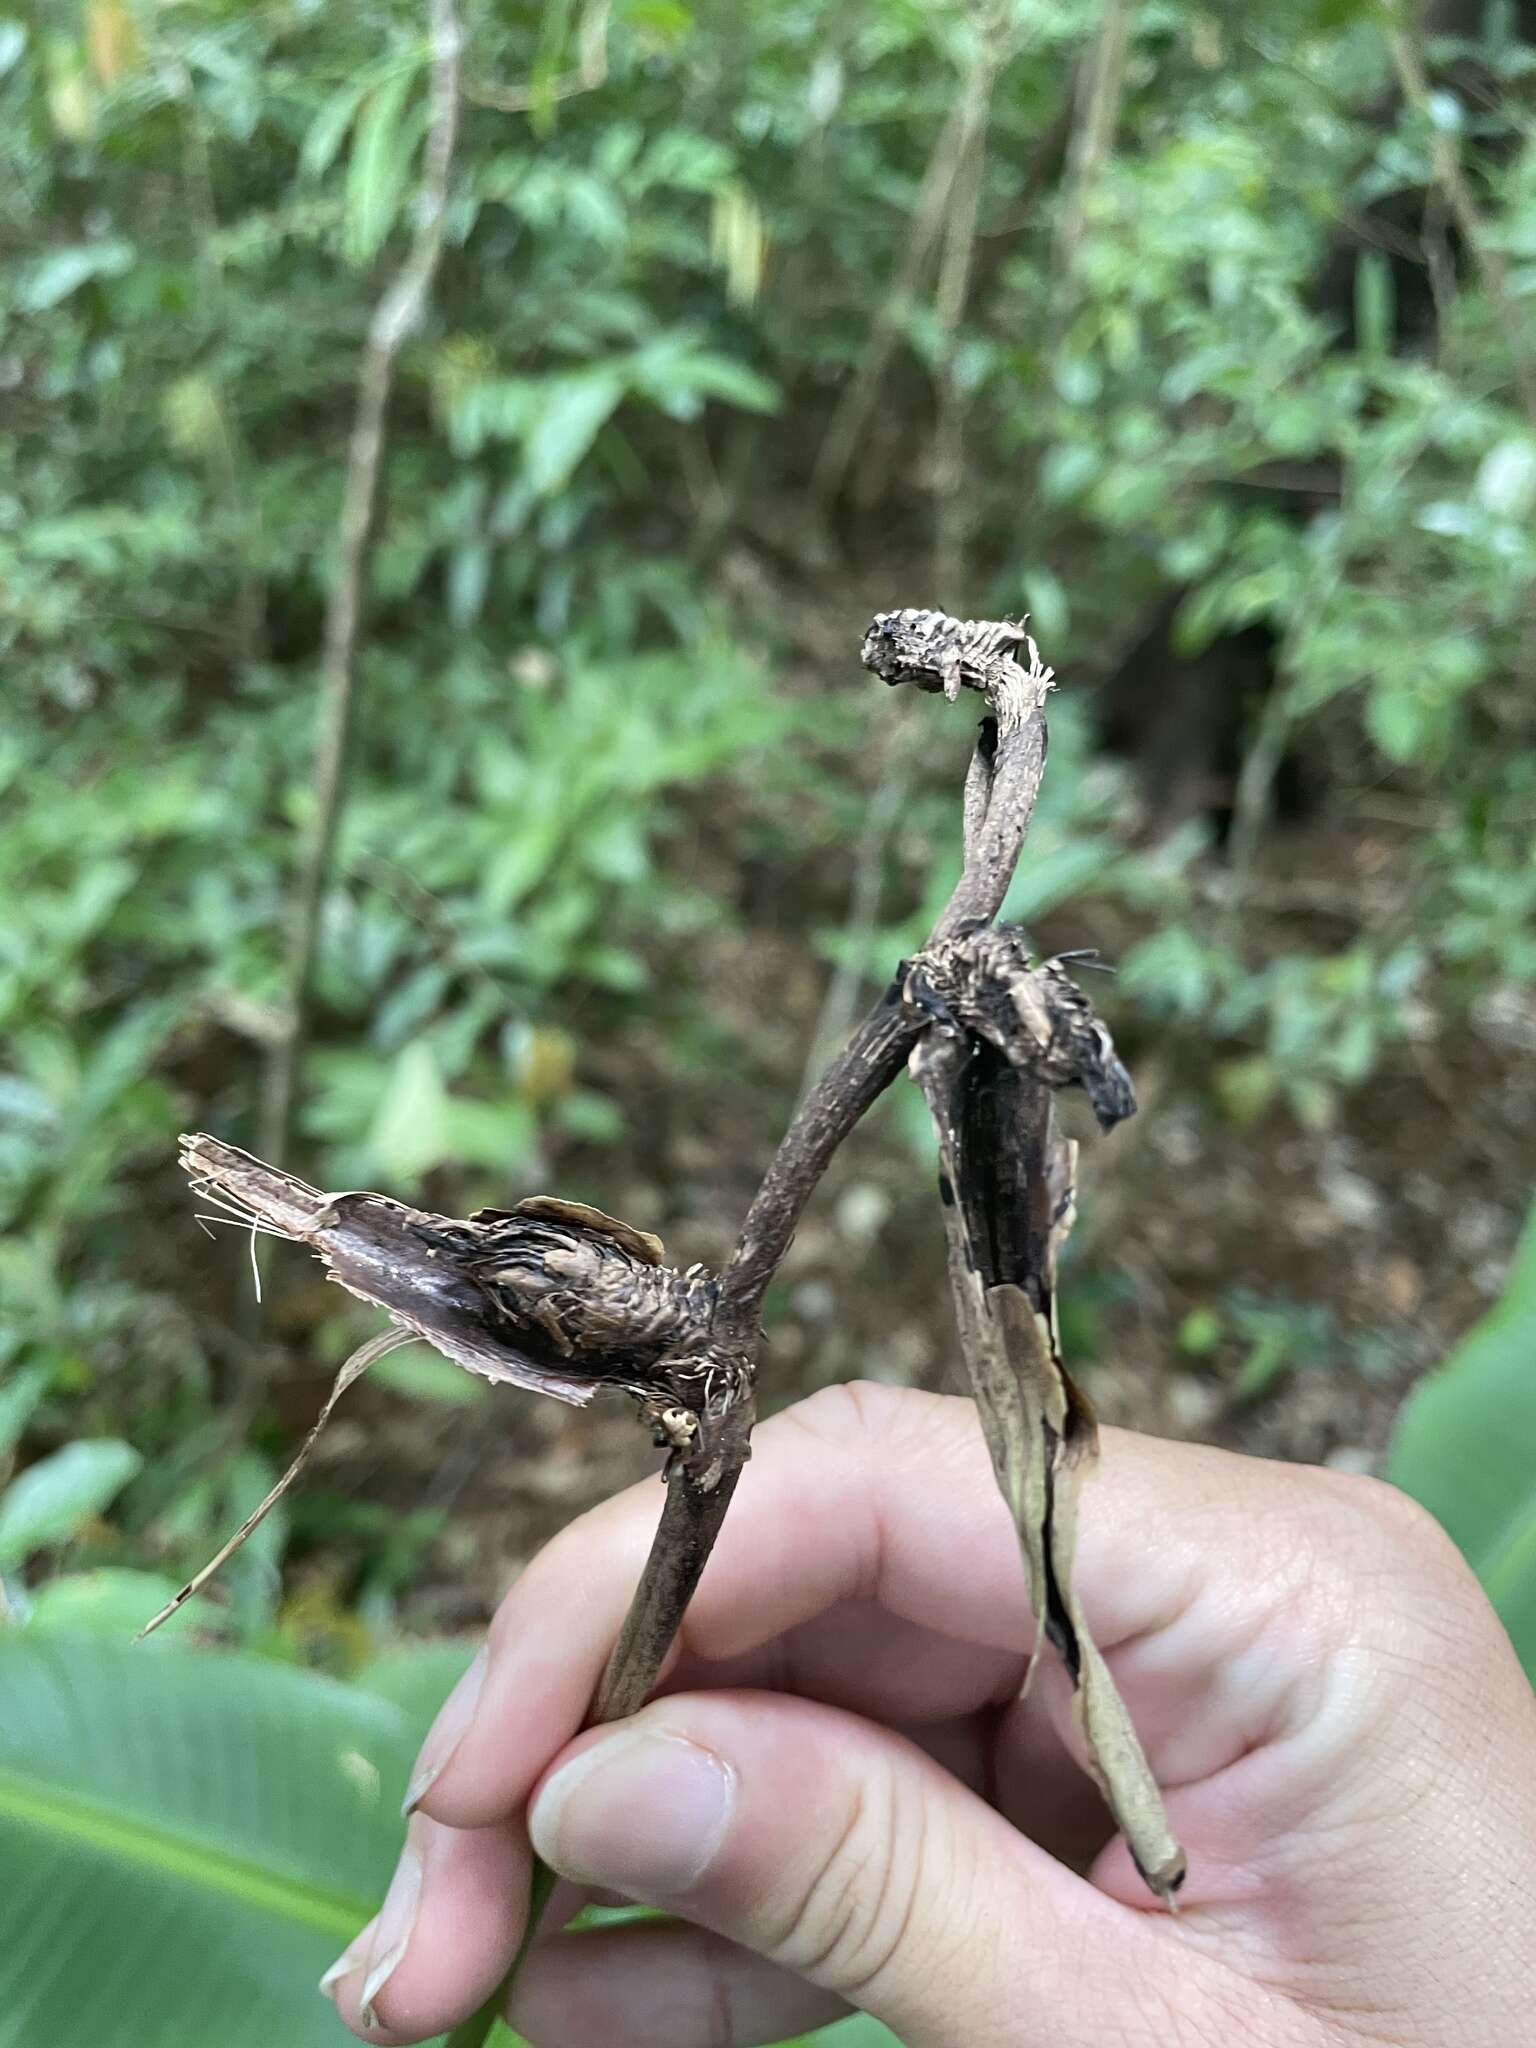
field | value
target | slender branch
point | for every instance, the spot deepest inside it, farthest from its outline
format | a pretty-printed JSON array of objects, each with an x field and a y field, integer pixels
[
  {"x": 396, "y": 317},
  {"x": 1101, "y": 92},
  {"x": 858, "y": 400},
  {"x": 956, "y": 262},
  {"x": 591, "y": 71},
  {"x": 1001, "y": 788},
  {"x": 1445, "y": 163},
  {"x": 690, "y": 1521}
]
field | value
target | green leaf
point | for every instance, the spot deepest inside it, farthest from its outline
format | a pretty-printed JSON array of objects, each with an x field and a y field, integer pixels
[
  {"x": 382, "y": 148},
  {"x": 1375, "y": 311},
  {"x": 572, "y": 411},
  {"x": 112, "y": 1602},
  {"x": 418, "y": 1677},
  {"x": 188, "y": 1841},
  {"x": 62, "y": 271},
  {"x": 1465, "y": 1446},
  {"x": 860, "y": 2031},
  {"x": 328, "y": 130},
  {"x": 47, "y": 1503},
  {"x": 410, "y": 1130},
  {"x": 425, "y": 1375},
  {"x": 1506, "y": 478},
  {"x": 1395, "y": 716},
  {"x": 18, "y": 1398},
  {"x": 1049, "y": 610}
]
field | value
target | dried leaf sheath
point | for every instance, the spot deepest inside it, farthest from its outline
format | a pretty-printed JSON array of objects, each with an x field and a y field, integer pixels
[
  {"x": 1006, "y": 1181},
  {"x": 552, "y": 1296},
  {"x": 549, "y": 1295}
]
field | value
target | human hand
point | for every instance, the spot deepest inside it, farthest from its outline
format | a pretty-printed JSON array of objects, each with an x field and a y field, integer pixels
[{"x": 843, "y": 1801}]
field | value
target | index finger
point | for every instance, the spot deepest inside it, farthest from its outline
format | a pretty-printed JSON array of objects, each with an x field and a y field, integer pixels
[{"x": 872, "y": 1494}]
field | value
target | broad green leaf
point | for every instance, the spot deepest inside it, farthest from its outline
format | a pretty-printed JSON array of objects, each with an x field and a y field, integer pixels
[
  {"x": 62, "y": 271},
  {"x": 188, "y": 1841},
  {"x": 328, "y": 130},
  {"x": 410, "y": 1131},
  {"x": 418, "y": 1677},
  {"x": 1465, "y": 1446},
  {"x": 858, "y": 2032},
  {"x": 112, "y": 1602},
  {"x": 382, "y": 146},
  {"x": 571, "y": 413},
  {"x": 18, "y": 1397},
  {"x": 47, "y": 1503},
  {"x": 1506, "y": 477},
  {"x": 1396, "y": 718}
]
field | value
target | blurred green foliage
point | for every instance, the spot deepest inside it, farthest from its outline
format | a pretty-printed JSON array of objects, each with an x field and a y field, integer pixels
[
  {"x": 1267, "y": 386},
  {"x": 1462, "y": 1448}
]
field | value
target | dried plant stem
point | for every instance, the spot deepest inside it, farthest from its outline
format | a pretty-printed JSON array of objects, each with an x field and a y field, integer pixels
[
  {"x": 691, "y": 1516},
  {"x": 396, "y": 318},
  {"x": 1001, "y": 788}
]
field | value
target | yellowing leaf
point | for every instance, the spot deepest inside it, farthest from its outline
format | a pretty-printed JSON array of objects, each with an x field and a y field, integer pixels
[
  {"x": 112, "y": 40},
  {"x": 72, "y": 106}
]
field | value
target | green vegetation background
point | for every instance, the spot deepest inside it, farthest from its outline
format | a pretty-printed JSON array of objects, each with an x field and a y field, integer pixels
[{"x": 751, "y": 318}]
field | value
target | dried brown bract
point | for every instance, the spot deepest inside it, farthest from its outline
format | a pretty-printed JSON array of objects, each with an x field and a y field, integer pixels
[
  {"x": 985, "y": 983},
  {"x": 552, "y": 1296},
  {"x": 934, "y": 652}
]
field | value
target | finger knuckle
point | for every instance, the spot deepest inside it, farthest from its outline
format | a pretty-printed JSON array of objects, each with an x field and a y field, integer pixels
[
  {"x": 850, "y": 1411},
  {"x": 1400, "y": 1520},
  {"x": 852, "y": 1916}
]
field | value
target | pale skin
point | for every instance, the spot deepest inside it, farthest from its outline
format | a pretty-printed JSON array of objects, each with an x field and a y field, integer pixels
[{"x": 843, "y": 1803}]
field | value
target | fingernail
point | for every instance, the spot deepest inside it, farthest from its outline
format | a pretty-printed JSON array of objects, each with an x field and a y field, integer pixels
[
  {"x": 350, "y": 1959},
  {"x": 392, "y": 1929},
  {"x": 446, "y": 1733},
  {"x": 644, "y": 1810}
]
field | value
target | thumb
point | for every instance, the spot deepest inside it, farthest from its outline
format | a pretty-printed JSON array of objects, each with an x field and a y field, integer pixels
[{"x": 842, "y": 1853}]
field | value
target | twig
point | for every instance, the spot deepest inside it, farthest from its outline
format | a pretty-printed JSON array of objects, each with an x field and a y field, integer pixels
[
  {"x": 956, "y": 262},
  {"x": 1445, "y": 163},
  {"x": 858, "y": 400},
  {"x": 1001, "y": 787},
  {"x": 591, "y": 71},
  {"x": 396, "y": 318},
  {"x": 1101, "y": 91}
]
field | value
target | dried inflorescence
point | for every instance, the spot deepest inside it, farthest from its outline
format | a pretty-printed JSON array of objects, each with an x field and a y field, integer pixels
[
  {"x": 550, "y": 1295},
  {"x": 985, "y": 983},
  {"x": 934, "y": 652}
]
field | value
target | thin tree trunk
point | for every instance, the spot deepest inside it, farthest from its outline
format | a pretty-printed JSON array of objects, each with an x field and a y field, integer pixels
[{"x": 396, "y": 317}]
